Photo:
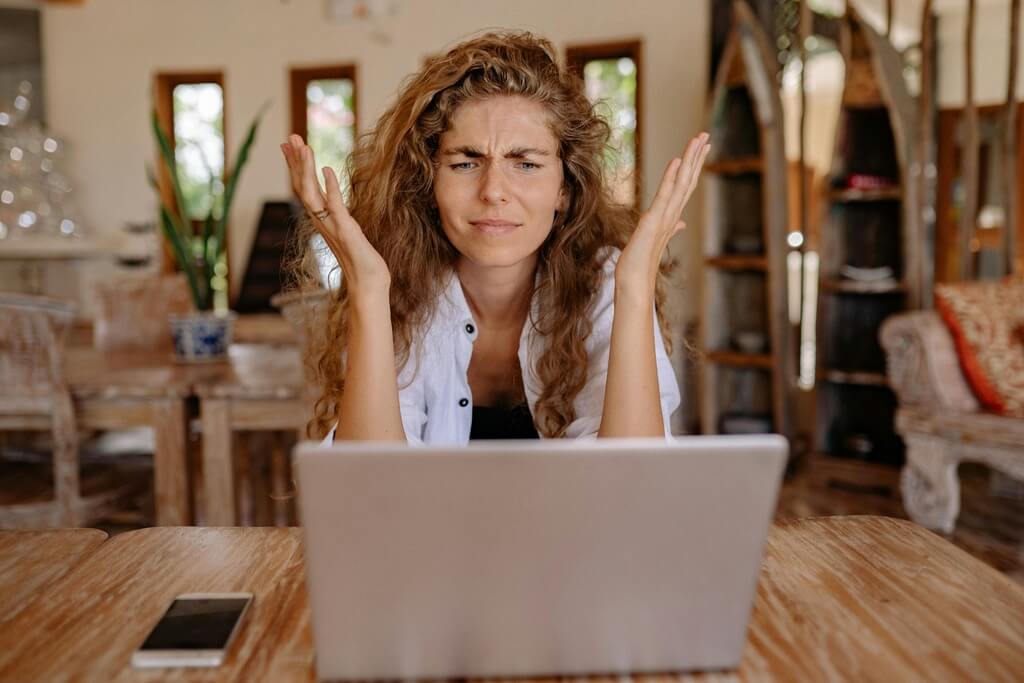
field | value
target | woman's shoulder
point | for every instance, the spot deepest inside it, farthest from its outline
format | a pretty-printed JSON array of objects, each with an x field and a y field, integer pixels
[{"x": 608, "y": 256}]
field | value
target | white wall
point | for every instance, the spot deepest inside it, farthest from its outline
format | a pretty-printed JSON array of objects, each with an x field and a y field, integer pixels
[
  {"x": 991, "y": 54},
  {"x": 991, "y": 45},
  {"x": 100, "y": 58}
]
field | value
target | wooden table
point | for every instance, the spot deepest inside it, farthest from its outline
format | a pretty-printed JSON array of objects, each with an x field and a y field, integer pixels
[
  {"x": 841, "y": 598},
  {"x": 132, "y": 389},
  {"x": 31, "y": 560},
  {"x": 140, "y": 389},
  {"x": 261, "y": 390}
]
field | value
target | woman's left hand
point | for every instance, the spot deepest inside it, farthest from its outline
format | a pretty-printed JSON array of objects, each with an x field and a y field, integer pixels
[{"x": 637, "y": 269}]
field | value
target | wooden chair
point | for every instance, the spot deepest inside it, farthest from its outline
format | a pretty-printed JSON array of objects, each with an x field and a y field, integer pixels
[
  {"x": 262, "y": 455},
  {"x": 132, "y": 311},
  {"x": 131, "y": 315},
  {"x": 34, "y": 396}
]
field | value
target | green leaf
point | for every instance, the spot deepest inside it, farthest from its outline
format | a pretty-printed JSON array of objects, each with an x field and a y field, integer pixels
[
  {"x": 151, "y": 178},
  {"x": 181, "y": 253},
  {"x": 232, "y": 184},
  {"x": 208, "y": 225},
  {"x": 172, "y": 165}
]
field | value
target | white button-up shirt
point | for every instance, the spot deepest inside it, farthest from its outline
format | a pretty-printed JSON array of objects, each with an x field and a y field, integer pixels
[{"x": 434, "y": 393}]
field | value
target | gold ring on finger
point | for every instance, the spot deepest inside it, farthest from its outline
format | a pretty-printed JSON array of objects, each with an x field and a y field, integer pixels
[{"x": 321, "y": 214}]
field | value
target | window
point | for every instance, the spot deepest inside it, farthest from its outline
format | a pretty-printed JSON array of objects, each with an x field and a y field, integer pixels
[
  {"x": 190, "y": 107},
  {"x": 323, "y": 106},
  {"x": 611, "y": 78}
]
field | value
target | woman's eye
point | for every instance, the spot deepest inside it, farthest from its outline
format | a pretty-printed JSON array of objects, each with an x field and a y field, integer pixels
[
  {"x": 462, "y": 166},
  {"x": 528, "y": 166}
]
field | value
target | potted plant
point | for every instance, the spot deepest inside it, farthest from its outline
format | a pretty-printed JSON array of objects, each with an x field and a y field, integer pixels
[{"x": 205, "y": 334}]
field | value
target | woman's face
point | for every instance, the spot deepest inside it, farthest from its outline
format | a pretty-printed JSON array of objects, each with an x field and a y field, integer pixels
[{"x": 499, "y": 180}]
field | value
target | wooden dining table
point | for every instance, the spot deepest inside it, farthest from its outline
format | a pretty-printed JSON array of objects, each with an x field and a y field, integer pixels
[
  {"x": 30, "y": 560},
  {"x": 129, "y": 389},
  {"x": 839, "y": 598}
]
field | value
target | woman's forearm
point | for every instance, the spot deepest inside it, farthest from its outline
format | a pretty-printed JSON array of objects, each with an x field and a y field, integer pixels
[
  {"x": 632, "y": 400},
  {"x": 368, "y": 409}
]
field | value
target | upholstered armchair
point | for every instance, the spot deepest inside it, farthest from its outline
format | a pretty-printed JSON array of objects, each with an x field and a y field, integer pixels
[{"x": 940, "y": 419}]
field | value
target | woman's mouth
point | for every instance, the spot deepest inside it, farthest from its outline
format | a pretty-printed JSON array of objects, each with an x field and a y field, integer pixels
[{"x": 494, "y": 227}]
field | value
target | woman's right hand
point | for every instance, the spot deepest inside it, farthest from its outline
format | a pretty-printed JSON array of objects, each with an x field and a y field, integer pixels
[{"x": 363, "y": 268}]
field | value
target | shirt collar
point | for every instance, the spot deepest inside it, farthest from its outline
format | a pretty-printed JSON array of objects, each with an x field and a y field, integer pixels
[{"x": 459, "y": 313}]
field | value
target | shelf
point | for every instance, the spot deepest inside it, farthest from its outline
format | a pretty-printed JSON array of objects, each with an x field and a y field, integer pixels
[
  {"x": 738, "y": 262},
  {"x": 871, "y": 379},
  {"x": 734, "y": 166},
  {"x": 867, "y": 103},
  {"x": 854, "y": 195},
  {"x": 51, "y": 249},
  {"x": 858, "y": 287},
  {"x": 738, "y": 359}
]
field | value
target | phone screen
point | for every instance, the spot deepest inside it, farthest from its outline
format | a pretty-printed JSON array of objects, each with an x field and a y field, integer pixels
[{"x": 196, "y": 624}]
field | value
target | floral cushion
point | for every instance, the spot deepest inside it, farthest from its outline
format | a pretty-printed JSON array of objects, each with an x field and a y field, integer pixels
[{"x": 984, "y": 319}]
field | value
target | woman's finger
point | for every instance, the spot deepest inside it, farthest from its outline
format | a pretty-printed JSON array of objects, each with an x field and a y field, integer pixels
[
  {"x": 687, "y": 177},
  {"x": 290, "y": 160},
  {"x": 668, "y": 180},
  {"x": 682, "y": 179},
  {"x": 312, "y": 194},
  {"x": 695, "y": 175},
  {"x": 335, "y": 200}
]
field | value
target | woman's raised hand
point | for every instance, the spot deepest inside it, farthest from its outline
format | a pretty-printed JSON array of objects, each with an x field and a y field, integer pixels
[
  {"x": 638, "y": 264},
  {"x": 362, "y": 266}
]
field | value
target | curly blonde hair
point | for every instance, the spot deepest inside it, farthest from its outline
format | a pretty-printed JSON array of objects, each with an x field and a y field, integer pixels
[{"x": 391, "y": 197}]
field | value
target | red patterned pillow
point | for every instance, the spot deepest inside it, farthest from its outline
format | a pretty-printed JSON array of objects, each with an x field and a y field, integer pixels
[{"x": 983, "y": 318}]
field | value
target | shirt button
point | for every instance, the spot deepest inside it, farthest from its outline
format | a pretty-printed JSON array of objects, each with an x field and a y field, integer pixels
[
  {"x": 470, "y": 329},
  {"x": 463, "y": 402}
]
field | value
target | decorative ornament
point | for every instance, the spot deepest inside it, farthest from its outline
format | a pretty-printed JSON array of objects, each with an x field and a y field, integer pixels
[{"x": 35, "y": 195}]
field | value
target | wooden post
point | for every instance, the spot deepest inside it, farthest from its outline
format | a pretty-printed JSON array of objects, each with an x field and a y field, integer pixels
[
  {"x": 969, "y": 155},
  {"x": 1010, "y": 157},
  {"x": 926, "y": 112},
  {"x": 888, "y": 18}
]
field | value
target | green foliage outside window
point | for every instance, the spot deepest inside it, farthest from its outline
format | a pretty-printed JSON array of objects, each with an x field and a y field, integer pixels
[
  {"x": 611, "y": 84},
  {"x": 330, "y": 122},
  {"x": 199, "y": 145}
]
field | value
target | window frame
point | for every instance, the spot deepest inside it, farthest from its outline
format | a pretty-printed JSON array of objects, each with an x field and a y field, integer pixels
[
  {"x": 299, "y": 78},
  {"x": 577, "y": 56},
  {"x": 165, "y": 83}
]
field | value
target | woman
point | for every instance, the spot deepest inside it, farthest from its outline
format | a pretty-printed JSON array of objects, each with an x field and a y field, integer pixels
[{"x": 492, "y": 289}]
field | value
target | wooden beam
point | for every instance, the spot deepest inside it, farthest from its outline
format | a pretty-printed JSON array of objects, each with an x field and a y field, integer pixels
[
  {"x": 926, "y": 132},
  {"x": 970, "y": 155},
  {"x": 1010, "y": 155}
]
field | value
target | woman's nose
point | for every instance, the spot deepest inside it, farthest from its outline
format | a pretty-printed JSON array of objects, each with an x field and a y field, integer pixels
[{"x": 492, "y": 184}]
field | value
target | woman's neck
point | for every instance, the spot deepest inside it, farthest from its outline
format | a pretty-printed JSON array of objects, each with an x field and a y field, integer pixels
[{"x": 498, "y": 296}]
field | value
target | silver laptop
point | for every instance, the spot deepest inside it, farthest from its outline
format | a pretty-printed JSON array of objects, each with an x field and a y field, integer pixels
[{"x": 534, "y": 558}]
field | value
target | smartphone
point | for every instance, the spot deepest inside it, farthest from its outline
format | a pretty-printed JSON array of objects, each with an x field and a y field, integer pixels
[{"x": 196, "y": 630}]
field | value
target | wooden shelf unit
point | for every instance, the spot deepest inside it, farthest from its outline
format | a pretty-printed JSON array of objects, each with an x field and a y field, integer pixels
[
  {"x": 857, "y": 195},
  {"x": 866, "y": 229},
  {"x": 871, "y": 379},
  {"x": 858, "y": 287},
  {"x": 737, "y": 262},
  {"x": 744, "y": 276},
  {"x": 734, "y": 166},
  {"x": 741, "y": 359}
]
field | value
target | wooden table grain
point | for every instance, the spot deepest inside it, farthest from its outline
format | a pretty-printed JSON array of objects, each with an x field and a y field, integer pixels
[
  {"x": 840, "y": 598},
  {"x": 31, "y": 560}
]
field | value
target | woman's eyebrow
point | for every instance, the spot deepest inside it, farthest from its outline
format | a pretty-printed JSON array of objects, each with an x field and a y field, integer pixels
[{"x": 475, "y": 153}]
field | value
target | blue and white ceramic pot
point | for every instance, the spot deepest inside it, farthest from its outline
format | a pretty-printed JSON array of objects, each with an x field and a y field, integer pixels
[{"x": 201, "y": 337}]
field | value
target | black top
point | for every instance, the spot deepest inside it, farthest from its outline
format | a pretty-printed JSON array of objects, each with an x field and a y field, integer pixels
[{"x": 500, "y": 422}]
